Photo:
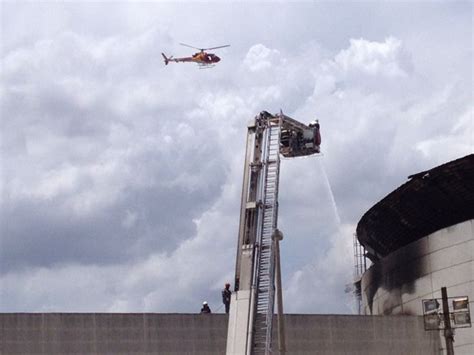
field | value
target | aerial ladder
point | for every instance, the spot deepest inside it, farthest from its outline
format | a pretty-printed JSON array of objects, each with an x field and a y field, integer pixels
[{"x": 257, "y": 268}]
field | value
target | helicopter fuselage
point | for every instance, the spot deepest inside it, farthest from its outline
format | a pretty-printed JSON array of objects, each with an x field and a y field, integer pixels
[{"x": 202, "y": 58}]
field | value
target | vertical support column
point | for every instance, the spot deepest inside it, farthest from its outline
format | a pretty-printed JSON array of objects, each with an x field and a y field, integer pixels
[
  {"x": 248, "y": 205},
  {"x": 448, "y": 331},
  {"x": 241, "y": 318},
  {"x": 277, "y": 237}
]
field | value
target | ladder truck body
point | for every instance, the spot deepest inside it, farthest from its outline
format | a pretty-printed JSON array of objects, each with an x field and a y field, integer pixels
[{"x": 252, "y": 303}]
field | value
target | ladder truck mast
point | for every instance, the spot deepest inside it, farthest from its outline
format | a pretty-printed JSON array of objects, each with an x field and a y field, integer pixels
[{"x": 257, "y": 261}]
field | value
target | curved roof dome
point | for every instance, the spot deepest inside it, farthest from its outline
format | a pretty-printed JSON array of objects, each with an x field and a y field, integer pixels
[{"x": 429, "y": 201}]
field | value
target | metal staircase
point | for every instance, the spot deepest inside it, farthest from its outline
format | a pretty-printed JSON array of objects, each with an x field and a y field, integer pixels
[{"x": 265, "y": 259}]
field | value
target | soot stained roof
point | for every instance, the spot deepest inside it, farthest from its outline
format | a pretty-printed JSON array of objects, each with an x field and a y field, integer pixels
[{"x": 431, "y": 200}]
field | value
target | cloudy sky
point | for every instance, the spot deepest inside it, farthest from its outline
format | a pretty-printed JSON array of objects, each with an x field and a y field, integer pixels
[{"x": 121, "y": 177}]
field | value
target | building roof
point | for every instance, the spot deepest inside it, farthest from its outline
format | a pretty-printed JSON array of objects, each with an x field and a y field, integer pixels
[{"x": 431, "y": 200}]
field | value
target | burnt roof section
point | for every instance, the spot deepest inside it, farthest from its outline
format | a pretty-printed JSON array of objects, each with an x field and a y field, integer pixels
[{"x": 431, "y": 200}]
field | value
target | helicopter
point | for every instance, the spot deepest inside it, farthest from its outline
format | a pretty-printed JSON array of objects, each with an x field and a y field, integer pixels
[{"x": 202, "y": 58}]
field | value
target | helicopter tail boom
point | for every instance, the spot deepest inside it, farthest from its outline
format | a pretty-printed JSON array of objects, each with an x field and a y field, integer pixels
[{"x": 166, "y": 59}]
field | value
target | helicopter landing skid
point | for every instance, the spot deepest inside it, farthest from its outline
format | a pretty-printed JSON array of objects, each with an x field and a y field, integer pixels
[{"x": 206, "y": 66}]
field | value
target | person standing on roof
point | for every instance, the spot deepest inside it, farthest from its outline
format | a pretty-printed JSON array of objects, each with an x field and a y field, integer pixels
[
  {"x": 205, "y": 308},
  {"x": 226, "y": 293},
  {"x": 314, "y": 125}
]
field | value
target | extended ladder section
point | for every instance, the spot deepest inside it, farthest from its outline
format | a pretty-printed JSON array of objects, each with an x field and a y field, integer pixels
[
  {"x": 252, "y": 303},
  {"x": 264, "y": 255}
]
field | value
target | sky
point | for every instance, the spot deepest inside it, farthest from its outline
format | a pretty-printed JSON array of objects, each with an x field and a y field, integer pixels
[{"x": 121, "y": 177}]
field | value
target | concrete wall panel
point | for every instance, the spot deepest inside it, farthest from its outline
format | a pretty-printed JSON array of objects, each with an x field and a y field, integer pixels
[
  {"x": 452, "y": 276},
  {"x": 399, "y": 282},
  {"x": 447, "y": 237},
  {"x": 423, "y": 283},
  {"x": 451, "y": 256},
  {"x": 62, "y": 333}
]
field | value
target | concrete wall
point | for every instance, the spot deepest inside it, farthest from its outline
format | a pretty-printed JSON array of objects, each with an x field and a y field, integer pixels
[
  {"x": 398, "y": 283},
  {"x": 70, "y": 333},
  {"x": 358, "y": 335},
  {"x": 111, "y": 333}
]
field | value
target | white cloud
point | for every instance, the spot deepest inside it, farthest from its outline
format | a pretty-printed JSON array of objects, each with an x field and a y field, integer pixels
[
  {"x": 260, "y": 58},
  {"x": 196, "y": 270},
  {"x": 320, "y": 284},
  {"x": 373, "y": 58},
  {"x": 457, "y": 139},
  {"x": 122, "y": 176}
]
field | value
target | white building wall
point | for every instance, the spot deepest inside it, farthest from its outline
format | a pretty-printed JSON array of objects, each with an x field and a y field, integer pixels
[{"x": 398, "y": 283}]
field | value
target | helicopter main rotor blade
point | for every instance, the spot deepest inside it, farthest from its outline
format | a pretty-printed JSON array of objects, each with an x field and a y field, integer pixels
[
  {"x": 227, "y": 45},
  {"x": 187, "y": 45},
  {"x": 204, "y": 49}
]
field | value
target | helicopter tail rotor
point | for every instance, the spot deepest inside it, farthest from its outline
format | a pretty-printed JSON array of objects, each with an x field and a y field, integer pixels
[{"x": 165, "y": 58}]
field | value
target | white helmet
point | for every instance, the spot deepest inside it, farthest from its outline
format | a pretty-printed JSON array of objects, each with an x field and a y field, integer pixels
[{"x": 204, "y": 303}]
